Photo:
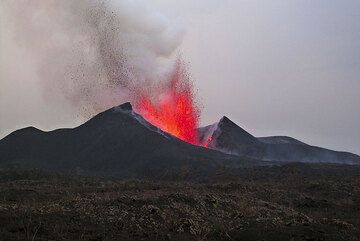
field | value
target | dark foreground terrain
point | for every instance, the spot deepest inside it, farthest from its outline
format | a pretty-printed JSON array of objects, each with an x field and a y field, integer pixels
[{"x": 293, "y": 202}]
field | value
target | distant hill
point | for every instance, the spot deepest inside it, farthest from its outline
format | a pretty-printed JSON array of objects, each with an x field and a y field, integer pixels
[{"x": 229, "y": 138}]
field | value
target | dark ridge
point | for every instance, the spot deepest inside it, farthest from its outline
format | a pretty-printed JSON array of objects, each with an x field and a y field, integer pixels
[
  {"x": 280, "y": 140},
  {"x": 229, "y": 128},
  {"x": 125, "y": 107},
  {"x": 230, "y": 138}
]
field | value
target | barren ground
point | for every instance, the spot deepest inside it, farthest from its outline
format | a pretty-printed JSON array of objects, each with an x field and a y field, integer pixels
[{"x": 294, "y": 202}]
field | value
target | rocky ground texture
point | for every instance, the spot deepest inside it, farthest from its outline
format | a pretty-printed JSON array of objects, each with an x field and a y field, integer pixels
[{"x": 292, "y": 202}]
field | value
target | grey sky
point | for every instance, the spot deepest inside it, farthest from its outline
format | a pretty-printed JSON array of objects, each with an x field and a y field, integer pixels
[
  {"x": 278, "y": 67},
  {"x": 275, "y": 67}
]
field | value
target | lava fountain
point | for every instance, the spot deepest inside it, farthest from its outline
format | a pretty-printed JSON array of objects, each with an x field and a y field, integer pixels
[{"x": 172, "y": 106}]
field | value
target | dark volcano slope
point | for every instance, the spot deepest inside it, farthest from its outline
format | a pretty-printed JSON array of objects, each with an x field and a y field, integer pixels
[
  {"x": 228, "y": 137},
  {"x": 117, "y": 142}
]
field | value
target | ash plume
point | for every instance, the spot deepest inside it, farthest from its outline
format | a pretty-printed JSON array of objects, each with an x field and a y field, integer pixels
[{"x": 92, "y": 53}]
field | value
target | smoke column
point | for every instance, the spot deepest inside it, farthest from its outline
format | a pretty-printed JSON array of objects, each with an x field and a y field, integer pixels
[{"x": 98, "y": 53}]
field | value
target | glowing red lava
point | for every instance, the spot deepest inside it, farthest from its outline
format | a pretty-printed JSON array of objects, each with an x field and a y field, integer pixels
[{"x": 172, "y": 107}]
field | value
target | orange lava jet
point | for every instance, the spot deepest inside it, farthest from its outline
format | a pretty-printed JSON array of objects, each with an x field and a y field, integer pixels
[{"x": 172, "y": 107}]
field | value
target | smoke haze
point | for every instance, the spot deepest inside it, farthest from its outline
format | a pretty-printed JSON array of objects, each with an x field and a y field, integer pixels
[{"x": 82, "y": 56}]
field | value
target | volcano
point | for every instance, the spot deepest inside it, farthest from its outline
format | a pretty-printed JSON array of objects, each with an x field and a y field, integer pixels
[{"x": 118, "y": 142}]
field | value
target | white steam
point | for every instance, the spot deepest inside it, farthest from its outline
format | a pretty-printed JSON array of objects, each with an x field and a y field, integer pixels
[{"x": 92, "y": 54}]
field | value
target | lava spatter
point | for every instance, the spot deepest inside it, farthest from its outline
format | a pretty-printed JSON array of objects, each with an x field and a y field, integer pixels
[{"x": 172, "y": 108}]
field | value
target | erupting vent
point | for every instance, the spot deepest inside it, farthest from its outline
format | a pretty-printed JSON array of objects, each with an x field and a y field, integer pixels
[{"x": 172, "y": 107}]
